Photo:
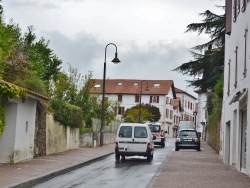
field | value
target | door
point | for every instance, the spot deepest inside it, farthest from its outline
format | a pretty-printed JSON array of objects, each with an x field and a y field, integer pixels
[
  {"x": 125, "y": 138},
  {"x": 141, "y": 138},
  {"x": 243, "y": 140}
]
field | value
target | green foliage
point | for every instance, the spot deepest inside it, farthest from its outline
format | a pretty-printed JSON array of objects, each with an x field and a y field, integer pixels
[
  {"x": 207, "y": 68},
  {"x": 214, "y": 125},
  {"x": 66, "y": 113},
  {"x": 7, "y": 92},
  {"x": 148, "y": 113},
  {"x": 218, "y": 88},
  {"x": 2, "y": 115},
  {"x": 84, "y": 129}
]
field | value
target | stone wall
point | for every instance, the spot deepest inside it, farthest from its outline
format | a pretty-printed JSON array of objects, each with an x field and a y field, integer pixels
[
  {"x": 59, "y": 137},
  {"x": 93, "y": 139}
]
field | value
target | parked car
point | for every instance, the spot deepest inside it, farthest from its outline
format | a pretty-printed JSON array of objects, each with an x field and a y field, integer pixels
[
  {"x": 187, "y": 139},
  {"x": 158, "y": 131},
  {"x": 134, "y": 139}
]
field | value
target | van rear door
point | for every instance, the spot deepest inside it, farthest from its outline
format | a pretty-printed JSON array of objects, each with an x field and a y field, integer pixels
[
  {"x": 141, "y": 137},
  {"x": 125, "y": 138}
]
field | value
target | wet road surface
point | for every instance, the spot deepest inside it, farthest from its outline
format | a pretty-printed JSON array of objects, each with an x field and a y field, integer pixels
[{"x": 133, "y": 172}]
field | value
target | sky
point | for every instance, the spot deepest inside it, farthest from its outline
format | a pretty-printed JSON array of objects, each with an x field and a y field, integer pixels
[{"x": 149, "y": 34}]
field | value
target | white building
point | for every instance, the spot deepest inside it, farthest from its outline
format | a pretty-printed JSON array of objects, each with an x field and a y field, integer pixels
[
  {"x": 201, "y": 118},
  {"x": 235, "y": 142},
  {"x": 188, "y": 105},
  {"x": 161, "y": 94}
]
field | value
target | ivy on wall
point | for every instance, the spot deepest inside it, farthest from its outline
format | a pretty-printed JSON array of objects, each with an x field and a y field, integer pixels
[{"x": 8, "y": 91}]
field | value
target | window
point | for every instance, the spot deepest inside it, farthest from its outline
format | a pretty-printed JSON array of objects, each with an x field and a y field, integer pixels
[
  {"x": 154, "y": 99},
  {"x": 97, "y": 86},
  {"x": 119, "y": 84},
  {"x": 119, "y": 98},
  {"x": 121, "y": 111},
  {"x": 156, "y": 85},
  {"x": 135, "y": 84},
  {"x": 125, "y": 131},
  {"x": 185, "y": 103},
  {"x": 140, "y": 132},
  {"x": 171, "y": 101},
  {"x": 137, "y": 97},
  {"x": 167, "y": 99},
  {"x": 167, "y": 112},
  {"x": 171, "y": 114}
]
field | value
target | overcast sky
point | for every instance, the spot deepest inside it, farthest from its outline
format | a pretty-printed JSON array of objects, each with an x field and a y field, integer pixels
[{"x": 149, "y": 34}]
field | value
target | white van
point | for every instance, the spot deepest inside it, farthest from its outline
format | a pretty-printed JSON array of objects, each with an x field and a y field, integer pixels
[{"x": 134, "y": 139}]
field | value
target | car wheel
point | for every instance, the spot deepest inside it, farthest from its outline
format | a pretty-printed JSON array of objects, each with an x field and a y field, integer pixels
[
  {"x": 176, "y": 148},
  {"x": 149, "y": 157},
  {"x": 117, "y": 156},
  {"x": 163, "y": 145}
]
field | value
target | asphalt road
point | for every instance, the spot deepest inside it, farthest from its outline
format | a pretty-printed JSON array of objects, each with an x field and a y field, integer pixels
[{"x": 133, "y": 172}]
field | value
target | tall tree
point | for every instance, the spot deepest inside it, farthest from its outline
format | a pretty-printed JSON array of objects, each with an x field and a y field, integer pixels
[{"x": 206, "y": 67}]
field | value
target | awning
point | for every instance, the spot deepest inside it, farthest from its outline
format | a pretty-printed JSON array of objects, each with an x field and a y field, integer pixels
[{"x": 238, "y": 95}]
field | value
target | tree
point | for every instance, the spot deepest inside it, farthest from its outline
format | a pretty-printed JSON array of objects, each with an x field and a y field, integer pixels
[
  {"x": 208, "y": 67},
  {"x": 148, "y": 112}
]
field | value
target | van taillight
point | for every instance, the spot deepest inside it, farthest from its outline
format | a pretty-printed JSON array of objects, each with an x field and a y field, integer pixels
[
  {"x": 148, "y": 145},
  {"x": 116, "y": 144}
]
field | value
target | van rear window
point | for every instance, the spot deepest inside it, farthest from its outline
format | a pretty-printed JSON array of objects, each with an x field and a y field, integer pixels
[
  {"x": 141, "y": 132},
  {"x": 125, "y": 131}
]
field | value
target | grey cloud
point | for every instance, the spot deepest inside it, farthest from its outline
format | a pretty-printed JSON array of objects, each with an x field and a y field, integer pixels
[{"x": 155, "y": 62}]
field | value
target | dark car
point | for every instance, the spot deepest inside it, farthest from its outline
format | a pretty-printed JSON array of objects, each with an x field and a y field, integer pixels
[{"x": 187, "y": 139}]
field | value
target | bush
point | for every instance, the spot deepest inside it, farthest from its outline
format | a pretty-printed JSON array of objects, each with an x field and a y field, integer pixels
[{"x": 66, "y": 113}]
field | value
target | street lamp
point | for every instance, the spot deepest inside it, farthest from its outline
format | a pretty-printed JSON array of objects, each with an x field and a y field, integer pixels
[
  {"x": 116, "y": 61},
  {"x": 140, "y": 98}
]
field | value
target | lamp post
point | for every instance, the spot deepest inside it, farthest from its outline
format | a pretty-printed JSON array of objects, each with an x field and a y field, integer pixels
[
  {"x": 116, "y": 61},
  {"x": 140, "y": 99}
]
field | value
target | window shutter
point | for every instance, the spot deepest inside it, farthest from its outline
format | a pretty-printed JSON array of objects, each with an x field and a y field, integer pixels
[
  {"x": 119, "y": 98},
  {"x": 228, "y": 83},
  {"x": 234, "y": 10},
  {"x": 122, "y": 110},
  {"x": 137, "y": 98},
  {"x": 150, "y": 99},
  {"x": 236, "y": 67},
  {"x": 157, "y": 99}
]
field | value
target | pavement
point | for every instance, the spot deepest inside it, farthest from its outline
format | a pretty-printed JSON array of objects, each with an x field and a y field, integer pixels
[{"x": 184, "y": 168}]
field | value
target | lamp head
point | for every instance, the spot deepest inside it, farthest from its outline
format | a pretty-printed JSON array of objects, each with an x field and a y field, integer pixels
[{"x": 116, "y": 60}]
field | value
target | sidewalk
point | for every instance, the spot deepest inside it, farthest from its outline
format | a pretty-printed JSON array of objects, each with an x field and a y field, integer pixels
[
  {"x": 39, "y": 168},
  {"x": 189, "y": 168}
]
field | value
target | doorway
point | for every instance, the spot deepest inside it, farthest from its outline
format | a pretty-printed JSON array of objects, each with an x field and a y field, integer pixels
[{"x": 243, "y": 132}]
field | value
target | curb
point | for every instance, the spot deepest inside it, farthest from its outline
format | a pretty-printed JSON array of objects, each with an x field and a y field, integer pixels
[{"x": 40, "y": 179}]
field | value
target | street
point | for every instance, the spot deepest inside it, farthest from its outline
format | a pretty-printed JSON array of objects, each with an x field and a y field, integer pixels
[{"x": 133, "y": 172}]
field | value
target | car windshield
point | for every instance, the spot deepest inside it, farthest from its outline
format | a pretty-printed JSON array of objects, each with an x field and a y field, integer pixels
[{"x": 187, "y": 133}]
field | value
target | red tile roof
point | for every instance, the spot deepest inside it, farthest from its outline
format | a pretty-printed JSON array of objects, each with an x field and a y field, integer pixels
[
  {"x": 177, "y": 90},
  {"x": 129, "y": 86}
]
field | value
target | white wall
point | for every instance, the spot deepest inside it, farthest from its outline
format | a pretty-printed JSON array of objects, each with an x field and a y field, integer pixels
[
  {"x": 7, "y": 140},
  {"x": 25, "y": 130},
  {"x": 232, "y": 113}
]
